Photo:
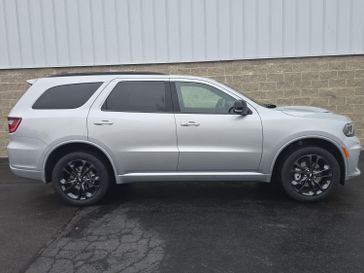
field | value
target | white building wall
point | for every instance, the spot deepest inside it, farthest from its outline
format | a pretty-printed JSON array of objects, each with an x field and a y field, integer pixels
[{"x": 53, "y": 33}]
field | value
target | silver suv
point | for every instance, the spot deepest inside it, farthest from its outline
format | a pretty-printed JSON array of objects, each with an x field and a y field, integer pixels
[{"x": 86, "y": 132}]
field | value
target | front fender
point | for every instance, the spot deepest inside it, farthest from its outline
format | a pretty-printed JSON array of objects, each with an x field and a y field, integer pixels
[{"x": 270, "y": 154}]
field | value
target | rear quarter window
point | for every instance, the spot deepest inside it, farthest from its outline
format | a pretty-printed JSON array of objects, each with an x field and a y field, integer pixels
[{"x": 68, "y": 96}]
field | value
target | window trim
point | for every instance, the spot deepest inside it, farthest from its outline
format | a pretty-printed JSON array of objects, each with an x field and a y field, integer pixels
[
  {"x": 175, "y": 100},
  {"x": 168, "y": 96}
]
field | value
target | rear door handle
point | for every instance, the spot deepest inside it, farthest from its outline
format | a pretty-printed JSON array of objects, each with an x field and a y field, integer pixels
[
  {"x": 104, "y": 122},
  {"x": 190, "y": 123}
]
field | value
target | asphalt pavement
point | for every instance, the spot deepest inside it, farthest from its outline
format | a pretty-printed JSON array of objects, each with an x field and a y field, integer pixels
[
  {"x": 180, "y": 227},
  {"x": 30, "y": 216}
]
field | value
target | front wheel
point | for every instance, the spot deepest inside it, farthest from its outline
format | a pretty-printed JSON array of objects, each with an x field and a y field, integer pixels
[
  {"x": 310, "y": 174},
  {"x": 81, "y": 178}
]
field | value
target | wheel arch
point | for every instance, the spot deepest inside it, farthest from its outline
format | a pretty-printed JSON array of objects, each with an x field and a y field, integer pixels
[
  {"x": 306, "y": 141},
  {"x": 64, "y": 148}
]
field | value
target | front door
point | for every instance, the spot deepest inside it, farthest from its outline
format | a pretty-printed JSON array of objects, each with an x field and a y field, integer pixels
[{"x": 210, "y": 137}]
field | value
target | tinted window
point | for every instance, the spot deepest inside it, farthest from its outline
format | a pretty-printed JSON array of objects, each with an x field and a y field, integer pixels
[
  {"x": 134, "y": 96},
  {"x": 201, "y": 98},
  {"x": 67, "y": 96}
]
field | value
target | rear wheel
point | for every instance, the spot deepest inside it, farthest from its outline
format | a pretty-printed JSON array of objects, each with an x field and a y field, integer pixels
[
  {"x": 310, "y": 174},
  {"x": 81, "y": 178}
]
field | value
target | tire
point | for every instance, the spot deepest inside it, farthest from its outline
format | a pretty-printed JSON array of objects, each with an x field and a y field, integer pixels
[
  {"x": 310, "y": 184},
  {"x": 81, "y": 178}
]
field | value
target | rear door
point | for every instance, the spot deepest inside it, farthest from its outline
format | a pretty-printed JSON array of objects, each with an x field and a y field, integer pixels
[{"x": 134, "y": 121}]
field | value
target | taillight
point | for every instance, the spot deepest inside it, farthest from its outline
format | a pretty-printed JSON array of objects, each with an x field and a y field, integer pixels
[{"x": 13, "y": 124}]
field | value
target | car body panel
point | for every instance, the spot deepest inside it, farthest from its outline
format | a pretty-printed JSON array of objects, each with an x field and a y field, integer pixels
[
  {"x": 41, "y": 130},
  {"x": 219, "y": 143},
  {"x": 139, "y": 141}
]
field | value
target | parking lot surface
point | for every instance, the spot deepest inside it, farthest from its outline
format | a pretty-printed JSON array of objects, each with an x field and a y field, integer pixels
[
  {"x": 30, "y": 216},
  {"x": 181, "y": 227}
]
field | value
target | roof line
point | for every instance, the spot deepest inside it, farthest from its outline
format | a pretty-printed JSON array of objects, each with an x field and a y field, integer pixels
[{"x": 105, "y": 73}]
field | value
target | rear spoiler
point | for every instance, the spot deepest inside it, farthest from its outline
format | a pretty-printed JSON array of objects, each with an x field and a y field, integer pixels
[{"x": 31, "y": 81}]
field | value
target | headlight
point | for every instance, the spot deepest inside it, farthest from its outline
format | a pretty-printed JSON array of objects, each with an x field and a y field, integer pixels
[{"x": 349, "y": 130}]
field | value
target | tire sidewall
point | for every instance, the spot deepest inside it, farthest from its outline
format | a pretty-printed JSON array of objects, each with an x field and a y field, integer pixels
[
  {"x": 286, "y": 176},
  {"x": 102, "y": 172}
]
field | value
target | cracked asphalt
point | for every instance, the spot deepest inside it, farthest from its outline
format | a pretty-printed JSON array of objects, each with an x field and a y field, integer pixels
[{"x": 180, "y": 227}]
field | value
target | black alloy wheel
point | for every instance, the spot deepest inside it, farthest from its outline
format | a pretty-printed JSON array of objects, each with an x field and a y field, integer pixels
[
  {"x": 81, "y": 178},
  {"x": 310, "y": 173}
]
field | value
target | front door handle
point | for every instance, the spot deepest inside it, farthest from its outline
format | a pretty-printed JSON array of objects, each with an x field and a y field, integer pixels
[
  {"x": 104, "y": 122},
  {"x": 190, "y": 123}
]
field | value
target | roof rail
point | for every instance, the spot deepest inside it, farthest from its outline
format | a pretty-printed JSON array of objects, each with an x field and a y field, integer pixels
[{"x": 105, "y": 73}]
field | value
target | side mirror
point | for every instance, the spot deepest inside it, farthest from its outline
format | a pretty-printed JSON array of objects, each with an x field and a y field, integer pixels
[{"x": 240, "y": 107}]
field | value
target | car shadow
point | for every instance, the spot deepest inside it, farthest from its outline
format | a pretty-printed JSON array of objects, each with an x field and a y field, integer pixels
[{"x": 196, "y": 193}]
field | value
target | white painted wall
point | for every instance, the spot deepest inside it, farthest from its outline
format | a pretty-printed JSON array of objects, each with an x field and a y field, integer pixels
[{"x": 48, "y": 33}]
